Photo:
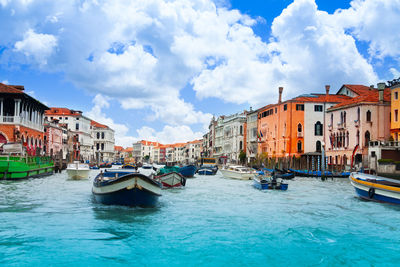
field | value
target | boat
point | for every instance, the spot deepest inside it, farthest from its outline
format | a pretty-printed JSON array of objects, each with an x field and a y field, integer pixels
[
  {"x": 188, "y": 171},
  {"x": 127, "y": 188},
  {"x": 318, "y": 174},
  {"x": 147, "y": 166},
  {"x": 208, "y": 166},
  {"x": 281, "y": 173},
  {"x": 171, "y": 179},
  {"x": 93, "y": 167},
  {"x": 78, "y": 170},
  {"x": 238, "y": 172},
  {"x": 129, "y": 166},
  {"x": 16, "y": 165},
  {"x": 105, "y": 165},
  {"x": 264, "y": 182},
  {"x": 207, "y": 170},
  {"x": 376, "y": 188}
]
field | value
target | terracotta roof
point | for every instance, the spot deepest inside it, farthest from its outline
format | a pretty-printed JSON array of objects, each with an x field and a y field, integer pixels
[
  {"x": 98, "y": 125},
  {"x": 128, "y": 149},
  {"x": 118, "y": 148},
  {"x": 370, "y": 96},
  {"x": 62, "y": 111},
  {"x": 322, "y": 98},
  {"x": 357, "y": 88},
  {"x": 10, "y": 89}
]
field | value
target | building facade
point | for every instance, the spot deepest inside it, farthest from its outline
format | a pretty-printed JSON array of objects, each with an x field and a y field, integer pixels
[
  {"x": 103, "y": 141},
  {"x": 21, "y": 119},
  {"x": 252, "y": 137}
]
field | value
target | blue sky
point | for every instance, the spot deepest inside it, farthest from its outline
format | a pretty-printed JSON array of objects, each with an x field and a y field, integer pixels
[{"x": 159, "y": 69}]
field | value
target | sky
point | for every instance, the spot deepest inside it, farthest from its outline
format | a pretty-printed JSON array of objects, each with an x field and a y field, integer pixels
[{"x": 160, "y": 69}]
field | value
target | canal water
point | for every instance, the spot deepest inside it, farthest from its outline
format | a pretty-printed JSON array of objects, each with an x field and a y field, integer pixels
[{"x": 211, "y": 222}]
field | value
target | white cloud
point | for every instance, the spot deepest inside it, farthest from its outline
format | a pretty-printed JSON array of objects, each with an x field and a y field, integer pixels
[
  {"x": 37, "y": 45},
  {"x": 5, "y": 82},
  {"x": 395, "y": 73}
]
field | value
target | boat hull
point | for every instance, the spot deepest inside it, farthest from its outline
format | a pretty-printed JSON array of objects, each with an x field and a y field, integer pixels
[
  {"x": 78, "y": 174},
  {"x": 236, "y": 175},
  {"x": 206, "y": 172},
  {"x": 131, "y": 189},
  {"x": 13, "y": 168},
  {"x": 188, "y": 171},
  {"x": 368, "y": 190},
  {"x": 172, "y": 179},
  {"x": 265, "y": 185}
]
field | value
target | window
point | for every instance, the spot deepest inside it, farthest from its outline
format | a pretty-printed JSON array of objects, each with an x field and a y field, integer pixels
[
  {"x": 77, "y": 119},
  {"x": 358, "y": 114},
  {"x": 318, "y": 146},
  {"x": 240, "y": 145},
  {"x": 276, "y": 110},
  {"x": 299, "y": 128},
  {"x": 318, "y": 129},
  {"x": 344, "y": 116},
  {"x": 102, "y": 135},
  {"x": 318, "y": 108},
  {"x": 284, "y": 107},
  {"x": 66, "y": 118},
  {"x": 331, "y": 119},
  {"x": 367, "y": 138},
  {"x": 97, "y": 146},
  {"x": 98, "y": 135},
  {"x": 102, "y": 146},
  {"x": 358, "y": 137},
  {"x": 241, "y": 130},
  {"x": 396, "y": 115},
  {"x": 299, "y": 146},
  {"x": 77, "y": 126},
  {"x": 299, "y": 106},
  {"x": 396, "y": 95},
  {"x": 368, "y": 116},
  {"x": 60, "y": 118}
]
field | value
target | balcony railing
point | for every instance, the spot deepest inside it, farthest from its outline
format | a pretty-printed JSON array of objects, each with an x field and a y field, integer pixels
[{"x": 21, "y": 121}]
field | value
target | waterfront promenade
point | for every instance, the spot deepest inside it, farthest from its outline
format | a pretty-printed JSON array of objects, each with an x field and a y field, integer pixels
[{"x": 211, "y": 222}]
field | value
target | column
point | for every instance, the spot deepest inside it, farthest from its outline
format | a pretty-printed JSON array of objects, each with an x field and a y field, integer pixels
[{"x": 1, "y": 107}]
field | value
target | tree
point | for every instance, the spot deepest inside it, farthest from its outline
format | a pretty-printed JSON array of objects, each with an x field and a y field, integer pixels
[
  {"x": 146, "y": 158},
  {"x": 242, "y": 156}
]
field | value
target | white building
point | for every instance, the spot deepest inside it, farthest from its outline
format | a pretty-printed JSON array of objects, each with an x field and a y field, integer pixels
[
  {"x": 251, "y": 140},
  {"x": 104, "y": 142},
  {"x": 144, "y": 151}
]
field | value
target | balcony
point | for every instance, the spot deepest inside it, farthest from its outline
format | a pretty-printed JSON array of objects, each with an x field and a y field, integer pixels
[
  {"x": 21, "y": 121},
  {"x": 341, "y": 125},
  {"x": 330, "y": 127},
  {"x": 300, "y": 134},
  {"x": 357, "y": 123}
]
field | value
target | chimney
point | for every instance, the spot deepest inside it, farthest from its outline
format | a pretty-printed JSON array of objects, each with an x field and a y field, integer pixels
[
  {"x": 280, "y": 95},
  {"x": 327, "y": 87},
  {"x": 371, "y": 87},
  {"x": 381, "y": 88}
]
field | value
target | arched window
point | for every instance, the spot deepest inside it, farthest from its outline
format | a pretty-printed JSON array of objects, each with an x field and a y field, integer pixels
[
  {"x": 240, "y": 144},
  {"x": 367, "y": 138},
  {"x": 368, "y": 115},
  {"x": 341, "y": 117},
  {"x": 3, "y": 139},
  {"x": 331, "y": 119},
  {"x": 97, "y": 146},
  {"x": 358, "y": 113},
  {"x": 344, "y": 116},
  {"x": 102, "y": 146},
  {"x": 318, "y": 146},
  {"x": 241, "y": 129},
  {"x": 102, "y": 135},
  {"x": 318, "y": 129},
  {"x": 358, "y": 138},
  {"x": 299, "y": 128},
  {"x": 98, "y": 135},
  {"x": 299, "y": 146},
  {"x": 347, "y": 139}
]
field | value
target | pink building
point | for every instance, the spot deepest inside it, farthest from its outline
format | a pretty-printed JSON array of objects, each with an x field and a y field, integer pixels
[
  {"x": 352, "y": 123},
  {"x": 53, "y": 138}
]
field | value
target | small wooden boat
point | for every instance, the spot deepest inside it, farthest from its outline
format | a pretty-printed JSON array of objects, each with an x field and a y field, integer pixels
[
  {"x": 281, "y": 173},
  {"x": 376, "y": 188},
  {"x": 171, "y": 179},
  {"x": 238, "y": 172},
  {"x": 188, "y": 171},
  {"x": 147, "y": 166},
  {"x": 77, "y": 170},
  {"x": 264, "y": 182},
  {"x": 124, "y": 187}
]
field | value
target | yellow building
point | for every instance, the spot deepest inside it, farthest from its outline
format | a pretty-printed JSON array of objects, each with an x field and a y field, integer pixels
[{"x": 395, "y": 109}]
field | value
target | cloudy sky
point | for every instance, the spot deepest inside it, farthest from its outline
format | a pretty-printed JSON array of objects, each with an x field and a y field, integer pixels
[{"x": 160, "y": 69}]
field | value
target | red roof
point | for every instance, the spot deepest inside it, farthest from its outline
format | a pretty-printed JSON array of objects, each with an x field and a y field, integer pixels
[
  {"x": 62, "y": 111},
  {"x": 118, "y": 148},
  {"x": 357, "y": 88},
  {"x": 98, "y": 125},
  {"x": 11, "y": 89},
  {"x": 322, "y": 98},
  {"x": 128, "y": 149},
  {"x": 370, "y": 96}
]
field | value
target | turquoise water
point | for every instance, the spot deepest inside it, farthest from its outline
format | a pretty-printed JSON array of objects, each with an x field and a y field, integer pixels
[{"x": 212, "y": 222}]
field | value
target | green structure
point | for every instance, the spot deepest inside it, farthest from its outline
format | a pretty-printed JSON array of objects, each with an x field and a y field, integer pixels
[
  {"x": 18, "y": 167},
  {"x": 168, "y": 169}
]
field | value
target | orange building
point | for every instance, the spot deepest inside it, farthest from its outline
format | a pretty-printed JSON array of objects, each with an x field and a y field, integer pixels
[
  {"x": 294, "y": 127},
  {"x": 395, "y": 108},
  {"x": 21, "y": 118}
]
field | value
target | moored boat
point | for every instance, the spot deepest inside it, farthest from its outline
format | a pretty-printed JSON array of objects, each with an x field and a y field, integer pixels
[
  {"x": 263, "y": 182},
  {"x": 376, "y": 188},
  {"x": 19, "y": 166},
  {"x": 126, "y": 188},
  {"x": 147, "y": 166},
  {"x": 105, "y": 165},
  {"x": 78, "y": 170},
  {"x": 238, "y": 172},
  {"x": 171, "y": 179},
  {"x": 188, "y": 171},
  {"x": 281, "y": 174},
  {"x": 207, "y": 170}
]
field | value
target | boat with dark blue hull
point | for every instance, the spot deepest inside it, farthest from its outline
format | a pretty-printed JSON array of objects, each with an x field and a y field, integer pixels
[
  {"x": 263, "y": 182},
  {"x": 207, "y": 170},
  {"x": 188, "y": 171},
  {"x": 128, "y": 188}
]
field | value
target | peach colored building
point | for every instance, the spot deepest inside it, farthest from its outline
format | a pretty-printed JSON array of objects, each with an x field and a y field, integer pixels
[
  {"x": 294, "y": 127},
  {"x": 352, "y": 124},
  {"x": 395, "y": 109}
]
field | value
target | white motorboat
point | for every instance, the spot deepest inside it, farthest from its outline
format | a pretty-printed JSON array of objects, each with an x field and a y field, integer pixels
[
  {"x": 78, "y": 170},
  {"x": 238, "y": 172}
]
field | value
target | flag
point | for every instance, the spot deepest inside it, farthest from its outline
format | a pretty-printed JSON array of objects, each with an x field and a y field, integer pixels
[{"x": 261, "y": 134}]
